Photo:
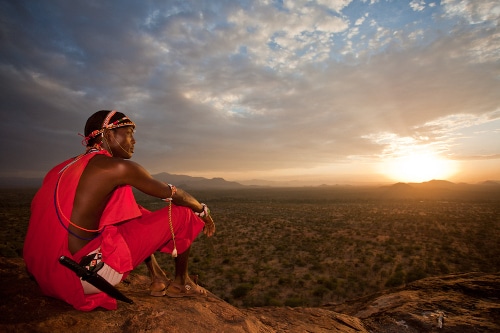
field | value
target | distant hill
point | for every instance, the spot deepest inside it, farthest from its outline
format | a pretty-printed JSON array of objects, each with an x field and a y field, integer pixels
[
  {"x": 441, "y": 190},
  {"x": 188, "y": 182},
  {"x": 490, "y": 183},
  {"x": 399, "y": 191},
  {"x": 273, "y": 183},
  {"x": 181, "y": 181},
  {"x": 437, "y": 183},
  {"x": 434, "y": 188}
]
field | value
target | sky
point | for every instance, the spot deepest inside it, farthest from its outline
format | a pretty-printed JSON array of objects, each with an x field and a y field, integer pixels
[{"x": 318, "y": 92}]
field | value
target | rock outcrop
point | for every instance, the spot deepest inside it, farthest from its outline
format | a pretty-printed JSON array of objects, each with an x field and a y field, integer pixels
[{"x": 453, "y": 303}]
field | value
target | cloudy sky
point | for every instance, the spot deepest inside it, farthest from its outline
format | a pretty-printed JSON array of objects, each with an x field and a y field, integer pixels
[{"x": 335, "y": 91}]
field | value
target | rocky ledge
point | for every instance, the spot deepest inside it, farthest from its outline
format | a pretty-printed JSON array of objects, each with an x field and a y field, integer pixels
[{"x": 453, "y": 303}]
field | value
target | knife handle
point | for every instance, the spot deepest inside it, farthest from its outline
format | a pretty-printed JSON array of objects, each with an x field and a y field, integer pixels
[{"x": 74, "y": 266}]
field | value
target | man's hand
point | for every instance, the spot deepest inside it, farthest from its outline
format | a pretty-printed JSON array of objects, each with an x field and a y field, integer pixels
[{"x": 209, "y": 229}]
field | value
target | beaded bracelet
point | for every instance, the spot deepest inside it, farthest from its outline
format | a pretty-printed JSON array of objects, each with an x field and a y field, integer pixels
[
  {"x": 205, "y": 212},
  {"x": 173, "y": 190}
]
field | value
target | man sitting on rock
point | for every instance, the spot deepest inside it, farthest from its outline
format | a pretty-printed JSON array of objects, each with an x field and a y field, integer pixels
[{"x": 85, "y": 210}]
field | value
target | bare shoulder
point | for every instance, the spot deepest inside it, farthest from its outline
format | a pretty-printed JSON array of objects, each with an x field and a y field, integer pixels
[
  {"x": 116, "y": 170},
  {"x": 104, "y": 162},
  {"x": 105, "y": 168}
]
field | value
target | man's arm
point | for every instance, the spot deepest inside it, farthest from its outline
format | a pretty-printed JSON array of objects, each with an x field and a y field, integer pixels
[
  {"x": 135, "y": 175},
  {"x": 131, "y": 173}
]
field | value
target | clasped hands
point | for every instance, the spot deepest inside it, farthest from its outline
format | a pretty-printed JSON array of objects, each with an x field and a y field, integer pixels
[{"x": 209, "y": 229}]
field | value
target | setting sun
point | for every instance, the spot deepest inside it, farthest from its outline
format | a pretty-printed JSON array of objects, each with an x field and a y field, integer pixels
[{"x": 419, "y": 167}]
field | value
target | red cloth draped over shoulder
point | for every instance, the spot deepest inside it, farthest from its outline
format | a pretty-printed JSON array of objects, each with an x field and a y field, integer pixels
[{"x": 47, "y": 239}]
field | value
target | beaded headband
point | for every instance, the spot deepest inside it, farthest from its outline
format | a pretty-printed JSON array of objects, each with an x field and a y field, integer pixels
[{"x": 125, "y": 121}]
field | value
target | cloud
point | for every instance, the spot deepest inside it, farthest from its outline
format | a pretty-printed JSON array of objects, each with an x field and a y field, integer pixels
[
  {"x": 218, "y": 86},
  {"x": 473, "y": 11},
  {"x": 417, "y": 5},
  {"x": 282, "y": 40},
  {"x": 360, "y": 20}
]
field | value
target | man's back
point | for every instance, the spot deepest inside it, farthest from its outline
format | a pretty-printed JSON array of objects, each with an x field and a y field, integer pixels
[{"x": 95, "y": 186}]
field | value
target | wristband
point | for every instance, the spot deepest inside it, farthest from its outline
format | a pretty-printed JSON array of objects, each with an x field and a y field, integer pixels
[
  {"x": 173, "y": 190},
  {"x": 205, "y": 212}
]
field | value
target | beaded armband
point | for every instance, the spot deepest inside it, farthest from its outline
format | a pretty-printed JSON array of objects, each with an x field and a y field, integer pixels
[
  {"x": 205, "y": 212},
  {"x": 173, "y": 189}
]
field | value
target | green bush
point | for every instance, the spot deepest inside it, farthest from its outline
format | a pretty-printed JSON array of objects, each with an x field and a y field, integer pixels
[
  {"x": 294, "y": 302},
  {"x": 396, "y": 279},
  {"x": 414, "y": 274},
  {"x": 320, "y": 291},
  {"x": 241, "y": 290}
]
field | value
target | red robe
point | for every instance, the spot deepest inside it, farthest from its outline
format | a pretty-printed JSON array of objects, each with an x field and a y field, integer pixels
[{"x": 47, "y": 239}]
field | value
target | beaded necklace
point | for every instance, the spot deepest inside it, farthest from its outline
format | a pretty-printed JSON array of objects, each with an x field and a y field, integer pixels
[{"x": 59, "y": 211}]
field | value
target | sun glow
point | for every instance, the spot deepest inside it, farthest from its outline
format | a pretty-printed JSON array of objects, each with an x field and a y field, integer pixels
[{"x": 419, "y": 167}]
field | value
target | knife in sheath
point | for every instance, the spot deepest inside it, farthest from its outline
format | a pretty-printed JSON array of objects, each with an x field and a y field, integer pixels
[{"x": 94, "y": 279}]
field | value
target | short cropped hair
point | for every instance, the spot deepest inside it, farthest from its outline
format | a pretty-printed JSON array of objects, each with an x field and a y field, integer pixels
[{"x": 95, "y": 122}]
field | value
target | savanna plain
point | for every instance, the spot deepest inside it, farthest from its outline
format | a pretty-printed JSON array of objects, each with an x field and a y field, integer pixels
[{"x": 315, "y": 246}]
